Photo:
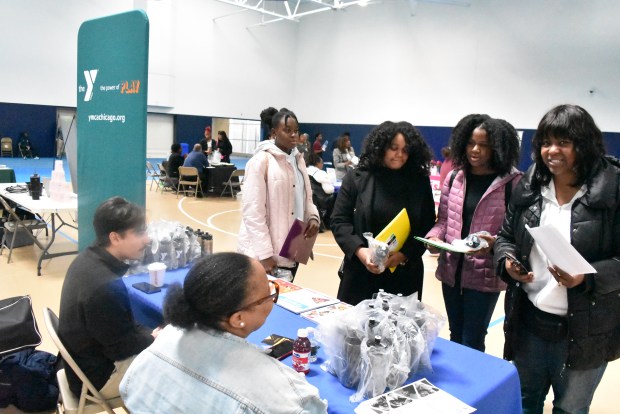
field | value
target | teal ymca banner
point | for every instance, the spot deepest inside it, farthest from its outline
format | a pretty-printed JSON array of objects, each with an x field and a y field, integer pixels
[{"x": 111, "y": 113}]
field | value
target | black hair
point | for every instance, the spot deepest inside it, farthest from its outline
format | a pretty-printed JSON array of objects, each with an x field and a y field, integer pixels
[
  {"x": 461, "y": 134},
  {"x": 503, "y": 140},
  {"x": 214, "y": 287},
  {"x": 317, "y": 135},
  {"x": 346, "y": 134},
  {"x": 573, "y": 123},
  {"x": 176, "y": 147},
  {"x": 223, "y": 135},
  {"x": 282, "y": 114},
  {"x": 380, "y": 139},
  {"x": 314, "y": 159},
  {"x": 445, "y": 152},
  {"x": 116, "y": 215},
  {"x": 265, "y": 118}
]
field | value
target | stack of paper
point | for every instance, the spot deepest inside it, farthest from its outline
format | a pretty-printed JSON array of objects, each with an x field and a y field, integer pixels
[
  {"x": 320, "y": 314},
  {"x": 298, "y": 299},
  {"x": 420, "y": 397}
]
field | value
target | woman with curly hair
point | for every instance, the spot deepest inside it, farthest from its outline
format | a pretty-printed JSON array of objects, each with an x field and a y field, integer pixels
[
  {"x": 393, "y": 173},
  {"x": 474, "y": 196},
  {"x": 561, "y": 329}
]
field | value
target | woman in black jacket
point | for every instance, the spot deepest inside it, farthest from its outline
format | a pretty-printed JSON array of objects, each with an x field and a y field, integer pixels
[
  {"x": 562, "y": 329},
  {"x": 393, "y": 174},
  {"x": 224, "y": 146}
]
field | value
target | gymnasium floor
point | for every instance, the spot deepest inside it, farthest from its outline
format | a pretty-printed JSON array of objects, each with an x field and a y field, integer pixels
[{"x": 221, "y": 216}]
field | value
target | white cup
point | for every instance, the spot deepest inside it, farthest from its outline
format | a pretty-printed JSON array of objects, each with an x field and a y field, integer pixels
[{"x": 157, "y": 271}]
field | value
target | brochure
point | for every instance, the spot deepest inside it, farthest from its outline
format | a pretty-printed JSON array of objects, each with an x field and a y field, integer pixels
[
  {"x": 420, "y": 397},
  {"x": 446, "y": 246},
  {"x": 559, "y": 251},
  {"x": 320, "y": 314},
  {"x": 298, "y": 299},
  {"x": 296, "y": 247}
]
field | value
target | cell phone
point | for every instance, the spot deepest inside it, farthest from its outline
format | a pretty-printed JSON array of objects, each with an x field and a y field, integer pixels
[
  {"x": 282, "y": 349},
  {"x": 274, "y": 339},
  {"x": 519, "y": 266},
  {"x": 146, "y": 287}
]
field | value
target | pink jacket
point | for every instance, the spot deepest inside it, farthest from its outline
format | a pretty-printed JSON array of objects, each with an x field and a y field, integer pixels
[
  {"x": 268, "y": 201},
  {"x": 477, "y": 272}
]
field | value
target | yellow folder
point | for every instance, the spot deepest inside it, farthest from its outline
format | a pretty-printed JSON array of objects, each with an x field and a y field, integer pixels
[{"x": 396, "y": 233}]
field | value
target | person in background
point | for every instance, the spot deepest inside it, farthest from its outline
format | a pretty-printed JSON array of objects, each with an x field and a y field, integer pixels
[
  {"x": 224, "y": 146},
  {"x": 96, "y": 321},
  {"x": 207, "y": 143},
  {"x": 485, "y": 152},
  {"x": 322, "y": 188},
  {"x": 304, "y": 147},
  {"x": 447, "y": 166},
  {"x": 317, "y": 146},
  {"x": 344, "y": 156},
  {"x": 393, "y": 174},
  {"x": 174, "y": 162},
  {"x": 198, "y": 159},
  {"x": 268, "y": 211},
  {"x": 202, "y": 362},
  {"x": 562, "y": 328}
]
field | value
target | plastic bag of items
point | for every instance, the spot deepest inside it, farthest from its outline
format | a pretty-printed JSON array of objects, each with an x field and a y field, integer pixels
[
  {"x": 170, "y": 243},
  {"x": 473, "y": 241},
  {"x": 379, "y": 251},
  {"x": 379, "y": 343}
]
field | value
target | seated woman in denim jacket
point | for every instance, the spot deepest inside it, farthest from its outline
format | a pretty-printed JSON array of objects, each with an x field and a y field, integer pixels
[{"x": 202, "y": 362}]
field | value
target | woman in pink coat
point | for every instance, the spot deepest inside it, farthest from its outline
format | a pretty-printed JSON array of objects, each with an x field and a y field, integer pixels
[
  {"x": 276, "y": 191},
  {"x": 474, "y": 196}
]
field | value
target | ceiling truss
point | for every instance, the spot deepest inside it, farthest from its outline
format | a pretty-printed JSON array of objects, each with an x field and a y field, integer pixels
[{"x": 273, "y": 11}]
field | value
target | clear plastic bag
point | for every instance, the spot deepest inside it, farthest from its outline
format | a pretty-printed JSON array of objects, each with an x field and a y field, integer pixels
[
  {"x": 380, "y": 251},
  {"x": 170, "y": 243},
  {"x": 406, "y": 330}
]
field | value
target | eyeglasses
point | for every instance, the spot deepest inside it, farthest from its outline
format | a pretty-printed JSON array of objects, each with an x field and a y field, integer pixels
[{"x": 274, "y": 288}]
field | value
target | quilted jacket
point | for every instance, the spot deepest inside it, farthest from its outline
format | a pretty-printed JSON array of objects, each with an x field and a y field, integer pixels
[
  {"x": 268, "y": 204},
  {"x": 477, "y": 272},
  {"x": 594, "y": 305}
]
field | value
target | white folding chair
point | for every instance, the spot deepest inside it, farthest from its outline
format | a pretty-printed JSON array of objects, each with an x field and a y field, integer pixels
[
  {"x": 233, "y": 183},
  {"x": 90, "y": 400}
]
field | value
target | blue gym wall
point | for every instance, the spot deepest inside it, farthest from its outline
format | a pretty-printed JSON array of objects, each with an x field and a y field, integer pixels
[
  {"x": 190, "y": 129},
  {"x": 38, "y": 120}
]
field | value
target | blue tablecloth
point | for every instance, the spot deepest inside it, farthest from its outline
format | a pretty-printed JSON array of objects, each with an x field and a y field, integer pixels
[{"x": 485, "y": 382}]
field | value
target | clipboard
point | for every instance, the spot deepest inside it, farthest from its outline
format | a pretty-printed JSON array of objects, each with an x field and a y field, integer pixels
[
  {"x": 396, "y": 233},
  {"x": 296, "y": 247}
]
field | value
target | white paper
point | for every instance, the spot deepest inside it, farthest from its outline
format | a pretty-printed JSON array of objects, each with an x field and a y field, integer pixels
[
  {"x": 559, "y": 251},
  {"x": 420, "y": 397}
]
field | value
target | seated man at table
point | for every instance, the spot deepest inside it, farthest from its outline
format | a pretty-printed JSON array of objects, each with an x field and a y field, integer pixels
[
  {"x": 96, "y": 322},
  {"x": 174, "y": 162},
  {"x": 198, "y": 159},
  {"x": 202, "y": 362}
]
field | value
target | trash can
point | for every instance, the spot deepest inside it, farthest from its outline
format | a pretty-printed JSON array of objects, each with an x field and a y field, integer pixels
[{"x": 184, "y": 147}]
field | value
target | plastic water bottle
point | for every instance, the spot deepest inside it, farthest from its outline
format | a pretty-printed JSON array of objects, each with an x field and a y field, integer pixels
[
  {"x": 207, "y": 243},
  {"x": 301, "y": 352}
]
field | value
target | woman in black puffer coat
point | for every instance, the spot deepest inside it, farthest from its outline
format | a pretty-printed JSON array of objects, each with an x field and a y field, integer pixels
[{"x": 562, "y": 329}]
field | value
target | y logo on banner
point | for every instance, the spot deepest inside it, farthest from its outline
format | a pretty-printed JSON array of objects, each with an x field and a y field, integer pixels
[{"x": 90, "y": 76}]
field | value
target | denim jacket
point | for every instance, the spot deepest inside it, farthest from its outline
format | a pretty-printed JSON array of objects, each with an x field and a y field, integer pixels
[{"x": 211, "y": 371}]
